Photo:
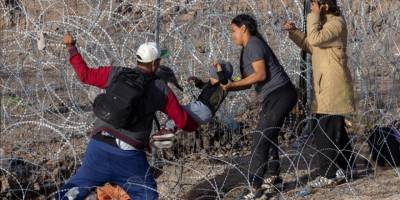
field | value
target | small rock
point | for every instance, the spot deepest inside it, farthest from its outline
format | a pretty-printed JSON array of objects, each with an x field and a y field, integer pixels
[{"x": 305, "y": 191}]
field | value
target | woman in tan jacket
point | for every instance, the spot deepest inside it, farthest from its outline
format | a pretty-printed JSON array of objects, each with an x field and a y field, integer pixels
[{"x": 326, "y": 41}]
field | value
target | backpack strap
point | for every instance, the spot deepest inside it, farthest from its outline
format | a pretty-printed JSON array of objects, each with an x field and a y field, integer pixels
[
  {"x": 157, "y": 121},
  {"x": 120, "y": 136}
]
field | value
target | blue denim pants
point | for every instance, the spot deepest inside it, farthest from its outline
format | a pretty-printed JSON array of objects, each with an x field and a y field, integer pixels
[
  {"x": 199, "y": 112},
  {"x": 104, "y": 163}
]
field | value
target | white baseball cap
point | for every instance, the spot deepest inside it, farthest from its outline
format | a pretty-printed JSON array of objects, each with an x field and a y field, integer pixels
[{"x": 149, "y": 52}]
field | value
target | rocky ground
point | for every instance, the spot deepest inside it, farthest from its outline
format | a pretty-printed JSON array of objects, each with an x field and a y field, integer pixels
[{"x": 187, "y": 167}]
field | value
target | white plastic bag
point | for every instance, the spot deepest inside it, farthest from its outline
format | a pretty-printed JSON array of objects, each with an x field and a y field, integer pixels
[
  {"x": 72, "y": 193},
  {"x": 41, "y": 43}
]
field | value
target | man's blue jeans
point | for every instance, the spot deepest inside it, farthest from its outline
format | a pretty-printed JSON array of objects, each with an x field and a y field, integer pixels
[{"x": 104, "y": 163}]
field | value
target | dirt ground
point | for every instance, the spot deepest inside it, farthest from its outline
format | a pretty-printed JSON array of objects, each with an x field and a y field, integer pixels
[{"x": 46, "y": 115}]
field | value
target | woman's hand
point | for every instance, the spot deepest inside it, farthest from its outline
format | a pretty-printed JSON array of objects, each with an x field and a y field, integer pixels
[
  {"x": 315, "y": 8},
  {"x": 197, "y": 82},
  {"x": 227, "y": 86},
  {"x": 289, "y": 26},
  {"x": 259, "y": 75},
  {"x": 193, "y": 79},
  {"x": 69, "y": 40}
]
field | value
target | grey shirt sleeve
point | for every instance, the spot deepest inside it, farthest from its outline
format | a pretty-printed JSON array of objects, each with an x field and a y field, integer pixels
[{"x": 256, "y": 51}]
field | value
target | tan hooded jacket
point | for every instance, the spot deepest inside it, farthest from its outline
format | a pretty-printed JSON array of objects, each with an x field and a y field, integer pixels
[{"x": 332, "y": 83}]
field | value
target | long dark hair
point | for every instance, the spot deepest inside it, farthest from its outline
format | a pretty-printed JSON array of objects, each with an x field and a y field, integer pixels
[
  {"x": 250, "y": 23},
  {"x": 333, "y": 6},
  {"x": 252, "y": 27}
]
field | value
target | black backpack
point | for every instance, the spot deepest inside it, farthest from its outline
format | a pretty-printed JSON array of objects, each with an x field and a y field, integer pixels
[
  {"x": 384, "y": 145},
  {"x": 122, "y": 103}
]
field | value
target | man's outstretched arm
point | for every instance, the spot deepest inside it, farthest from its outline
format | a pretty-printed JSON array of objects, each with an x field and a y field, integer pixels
[{"x": 91, "y": 76}]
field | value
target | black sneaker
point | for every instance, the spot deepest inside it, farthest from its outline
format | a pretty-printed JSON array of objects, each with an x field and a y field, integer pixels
[
  {"x": 272, "y": 184},
  {"x": 248, "y": 195},
  {"x": 323, "y": 182}
]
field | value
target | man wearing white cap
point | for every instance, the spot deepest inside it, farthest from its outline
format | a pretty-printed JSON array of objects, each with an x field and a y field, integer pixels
[{"x": 117, "y": 154}]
